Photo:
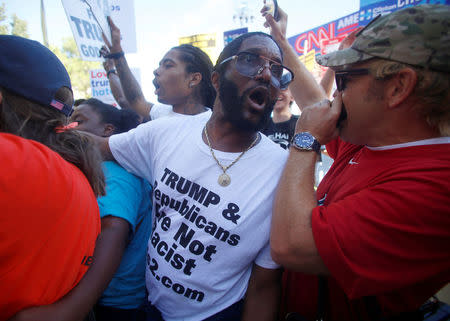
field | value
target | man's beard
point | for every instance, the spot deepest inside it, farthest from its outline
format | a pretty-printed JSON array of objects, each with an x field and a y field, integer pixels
[{"x": 233, "y": 106}]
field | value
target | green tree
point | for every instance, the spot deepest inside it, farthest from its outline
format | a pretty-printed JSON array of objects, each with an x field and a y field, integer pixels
[
  {"x": 15, "y": 26},
  {"x": 78, "y": 69},
  {"x": 4, "y": 30},
  {"x": 19, "y": 27}
]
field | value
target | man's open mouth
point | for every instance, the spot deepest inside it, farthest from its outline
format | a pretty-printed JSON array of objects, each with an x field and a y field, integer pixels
[
  {"x": 258, "y": 98},
  {"x": 156, "y": 84}
]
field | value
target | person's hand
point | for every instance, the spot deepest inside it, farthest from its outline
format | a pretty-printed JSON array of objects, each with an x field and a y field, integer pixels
[
  {"x": 349, "y": 39},
  {"x": 108, "y": 63},
  {"x": 115, "y": 46},
  {"x": 320, "y": 119},
  {"x": 277, "y": 28}
]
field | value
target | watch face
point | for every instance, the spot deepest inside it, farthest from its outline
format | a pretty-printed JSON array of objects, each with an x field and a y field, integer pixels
[
  {"x": 307, "y": 140},
  {"x": 304, "y": 140}
]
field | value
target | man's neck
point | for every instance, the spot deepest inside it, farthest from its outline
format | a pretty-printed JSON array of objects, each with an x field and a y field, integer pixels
[
  {"x": 402, "y": 125},
  {"x": 281, "y": 116},
  {"x": 225, "y": 137},
  {"x": 189, "y": 107}
]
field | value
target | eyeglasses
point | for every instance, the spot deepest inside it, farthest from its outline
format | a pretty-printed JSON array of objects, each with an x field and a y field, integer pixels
[
  {"x": 342, "y": 76},
  {"x": 251, "y": 64}
]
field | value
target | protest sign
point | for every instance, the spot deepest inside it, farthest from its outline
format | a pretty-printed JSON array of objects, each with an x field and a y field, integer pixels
[
  {"x": 100, "y": 85},
  {"x": 100, "y": 13},
  {"x": 87, "y": 31}
]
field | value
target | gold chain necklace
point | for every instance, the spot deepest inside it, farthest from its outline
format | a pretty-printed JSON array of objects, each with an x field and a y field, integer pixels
[{"x": 224, "y": 179}]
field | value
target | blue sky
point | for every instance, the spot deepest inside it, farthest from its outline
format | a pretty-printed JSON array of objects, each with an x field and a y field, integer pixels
[{"x": 159, "y": 24}]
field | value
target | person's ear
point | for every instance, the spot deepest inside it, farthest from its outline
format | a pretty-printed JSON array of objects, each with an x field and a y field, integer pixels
[
  {"x": 195, "y": 79},
  {"x": 215, "y": 80},
  {"x": 400, "y": 87},
  {"x": 108, "y": 130}
]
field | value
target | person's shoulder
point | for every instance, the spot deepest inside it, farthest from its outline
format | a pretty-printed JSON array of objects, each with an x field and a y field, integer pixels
[
  {"x": 17, "y": 143},
  {"x": 184, "y": 120},
  {"x": 15, "y": 150},
  {"x": 32, "y": 166},
  {"x": 112, "y": 167},
  {"x": 114, "y": 171}
]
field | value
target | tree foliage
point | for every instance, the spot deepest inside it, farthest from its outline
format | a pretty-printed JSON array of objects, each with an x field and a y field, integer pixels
[
  {"x": 14, "y": 25},
  {"x": 19, "y": 27},
  {"x": 3, "y": 28},
  {"x": 78, "y": 69}
]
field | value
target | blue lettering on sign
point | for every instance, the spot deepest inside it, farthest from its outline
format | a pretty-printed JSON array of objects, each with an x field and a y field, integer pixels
[
  {"x": 90, "y": 51},
  {"x": 91, "y": 30},
  {"x": 349, "y": 20}
]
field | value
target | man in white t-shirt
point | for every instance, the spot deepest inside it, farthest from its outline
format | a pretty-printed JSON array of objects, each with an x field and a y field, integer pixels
[
  {"x": 214, "y": 181},
  {"x": 182, "y": 80}
]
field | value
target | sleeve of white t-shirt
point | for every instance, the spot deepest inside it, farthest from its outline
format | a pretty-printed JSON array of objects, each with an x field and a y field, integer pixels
[
  {"x": 264, "y": 259},
  {"x": 132, "y": 150}
]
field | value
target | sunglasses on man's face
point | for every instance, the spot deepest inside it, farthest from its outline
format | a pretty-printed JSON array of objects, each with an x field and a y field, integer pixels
[
  {"x": 251, "y": 64},
  {"x": 343, "y": 75}
]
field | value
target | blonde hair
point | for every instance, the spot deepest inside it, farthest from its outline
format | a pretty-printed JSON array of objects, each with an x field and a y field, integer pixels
[{"x": 432, "y": 91}]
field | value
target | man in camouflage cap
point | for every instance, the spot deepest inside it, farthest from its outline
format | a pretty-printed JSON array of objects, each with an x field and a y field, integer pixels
[{"x": 377, "y": 229}]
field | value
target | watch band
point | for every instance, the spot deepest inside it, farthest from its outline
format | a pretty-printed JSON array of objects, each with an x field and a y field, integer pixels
[
  {"x": 115, "y": 55},
  {"x": 111, "y": 71}
]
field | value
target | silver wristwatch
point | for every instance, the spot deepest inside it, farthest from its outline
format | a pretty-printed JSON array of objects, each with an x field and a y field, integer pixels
[{"x": 306, "y": 141}]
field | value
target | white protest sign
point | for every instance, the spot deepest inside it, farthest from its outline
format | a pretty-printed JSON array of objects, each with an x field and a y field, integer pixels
[
  {"x": 100, "y": 85},
  {"x": 101, "y": 10},
  {"x": 88, "y": 33},
  {"x": 122, "y": 13}
]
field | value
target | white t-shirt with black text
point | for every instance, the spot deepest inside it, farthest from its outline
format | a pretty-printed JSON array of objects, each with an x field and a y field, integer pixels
[{"x": 205, "y": 237}]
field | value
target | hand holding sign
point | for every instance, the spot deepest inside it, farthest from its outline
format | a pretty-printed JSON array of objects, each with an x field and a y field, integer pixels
[
  {"x": 88, "y": 25},
  {"x": 114, "y": 45},
  {"x": 100, "y": 14}
]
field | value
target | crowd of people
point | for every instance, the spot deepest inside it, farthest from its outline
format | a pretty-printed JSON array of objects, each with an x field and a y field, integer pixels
[{"x": 188, "y": 209}]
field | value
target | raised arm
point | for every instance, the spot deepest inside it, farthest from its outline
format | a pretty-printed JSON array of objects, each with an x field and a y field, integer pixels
[
  {"x": 304, "y": 88},
  {"x": 327, "y": 80},
  {"x": 291, "y": 239},
  {"x": 263, "y": 295},
  {"x": 114, "y": 80},
  {"x": 130, "y": 86}
]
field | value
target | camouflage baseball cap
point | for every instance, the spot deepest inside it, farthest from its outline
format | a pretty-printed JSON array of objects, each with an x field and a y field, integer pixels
[{"x": 417, "y": 36}]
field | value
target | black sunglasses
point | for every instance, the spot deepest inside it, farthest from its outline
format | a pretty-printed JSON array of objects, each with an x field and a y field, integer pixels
[
  {"x": 250, "y": 64},
  {"x": 342, "y": 76}
]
